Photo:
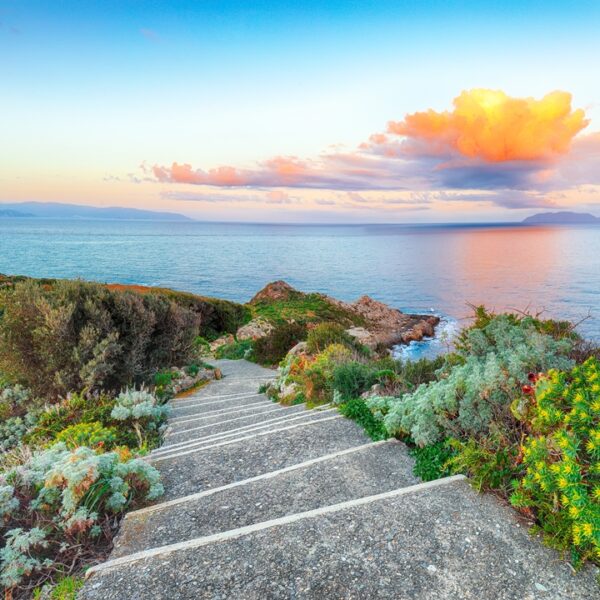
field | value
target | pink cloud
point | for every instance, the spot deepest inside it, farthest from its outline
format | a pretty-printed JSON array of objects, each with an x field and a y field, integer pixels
[{"x": 516, "y": 148}]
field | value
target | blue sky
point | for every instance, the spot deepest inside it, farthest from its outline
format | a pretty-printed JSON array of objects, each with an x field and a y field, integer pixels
[{"x": 93, "y": 90}]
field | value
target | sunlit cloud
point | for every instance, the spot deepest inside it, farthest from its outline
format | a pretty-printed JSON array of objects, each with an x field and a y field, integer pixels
[
  {"x": 506, "y": 151},
  {"x": 494, "y": 127}
]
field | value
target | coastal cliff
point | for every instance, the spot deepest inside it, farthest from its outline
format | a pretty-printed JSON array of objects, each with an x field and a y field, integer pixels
[{"x": 373, "y": 323}]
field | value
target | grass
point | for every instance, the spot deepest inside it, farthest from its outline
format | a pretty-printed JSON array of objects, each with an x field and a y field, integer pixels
[
  {"x": 304, "y": 308},
  {"x": 357, "y": 410},
  {"x": 236, "y": 350}
]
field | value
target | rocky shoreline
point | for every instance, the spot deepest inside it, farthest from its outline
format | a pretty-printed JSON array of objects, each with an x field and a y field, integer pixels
[{"x": 373, "y": 323}]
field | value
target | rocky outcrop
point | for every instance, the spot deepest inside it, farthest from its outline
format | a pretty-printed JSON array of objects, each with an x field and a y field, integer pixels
[
  {"x": 376, "y": 324},
  {"x": 255, "y": 330},
  {"x": 387, "y": 326},
  {"x": 277, "y": 290}
]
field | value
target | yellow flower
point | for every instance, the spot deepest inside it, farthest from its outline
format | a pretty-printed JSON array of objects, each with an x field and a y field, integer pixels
[
  {"x": 562, "y": 482},
  {"x": 563, "y": 442},
  {"x": 587, "y": 529},
  {"x": 574, "y": 512},
  {"x": 567, "y": 468}
]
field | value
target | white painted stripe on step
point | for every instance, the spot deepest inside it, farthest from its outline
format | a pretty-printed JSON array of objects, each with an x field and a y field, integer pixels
[
  {"x": 278, "y": 408},
  {"x": 241, "y": 439},
  {"x": 233, "y": 432},
  {"x": 264, "y": 377},
  {"x": 266, "y": 412},
  {"x": 178, "y": 402},
  {"x": 224, "y": 411},
  {"x": 225, "y": 401},
  {"x": 270, "y": 475},
  {"x": 288, "y": 519}
]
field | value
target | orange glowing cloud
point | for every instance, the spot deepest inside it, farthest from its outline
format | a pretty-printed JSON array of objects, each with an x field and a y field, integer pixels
[{"x": 491, "y": 126}]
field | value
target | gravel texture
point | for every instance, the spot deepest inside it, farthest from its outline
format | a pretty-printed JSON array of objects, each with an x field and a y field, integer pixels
[
  {"x": 191, "y": 430},
  {"x": 269, "y": 422},
  {"x": 372, "y": 470},
  {"x": 444, "y": 543},
  {"x": 218, "y": 466}
]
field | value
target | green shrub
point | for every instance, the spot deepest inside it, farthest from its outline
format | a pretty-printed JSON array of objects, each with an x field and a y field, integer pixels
[
  {"x": 562, "y": 460},
  {"x": 14, "y": 429},
  {"x": 141, "y": 410},
  {"x": 74, "y": 335},
  {"x": 236, "y": 350},
  {"x": 92, "y": 435},
  {"x": 476, "y": 387},
  {"x": 351, "y": 379},
  {"x": 491, "y": 463},
  {"x": 192, "y": 370},
  {"x": 273, "y": 348},
  {"x": 57, "y": 504},
  {"x": 431, "y": 462},
  {"x": 79, "y": 408},
  {"x": 325, "y": 334},
  {"x": 357, "y": 410}
]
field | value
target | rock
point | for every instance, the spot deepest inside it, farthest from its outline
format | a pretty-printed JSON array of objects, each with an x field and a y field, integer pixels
[
  {"x": 224, "y": 339},
  {"x": 277, "y": 290},
  {"x": 288, "y": 391},
  {"x": 363, "y": 336},
  {"x": 255, "y": 330},
  {"x": 377, "y": 325},
  {"x": 299, "y": 348}
]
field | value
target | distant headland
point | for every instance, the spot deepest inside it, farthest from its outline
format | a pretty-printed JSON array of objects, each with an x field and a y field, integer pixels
[
  {"x": 561, "y": 218},
  {"x": 57, "y": 210}
]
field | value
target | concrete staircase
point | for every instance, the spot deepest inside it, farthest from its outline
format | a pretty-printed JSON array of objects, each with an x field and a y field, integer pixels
[{"x": 264, "y": 501}]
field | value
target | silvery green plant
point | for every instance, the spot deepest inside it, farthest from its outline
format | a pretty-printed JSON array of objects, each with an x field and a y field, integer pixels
[
  {"x": 141, "y": 408},
  {"x": 467, "y": 397},
  {"x": 77, "y": 487},
  {"x": 17, "y": 557},
  {"x": 13, "y": 429}
]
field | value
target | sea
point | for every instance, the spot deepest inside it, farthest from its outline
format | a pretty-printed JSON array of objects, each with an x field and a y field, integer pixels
[{"x": 439, "y": 269}]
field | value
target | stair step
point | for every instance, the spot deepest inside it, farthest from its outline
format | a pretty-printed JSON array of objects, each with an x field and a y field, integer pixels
[
  {"x": 267, "y": 423},
  {"x": 361, "y": 471},
  {"x": 202, "y": 407},
  {"x": 224, "y": 423},
  {"x": 255, "y": 453},
  {"x": 436, "y": 541}
]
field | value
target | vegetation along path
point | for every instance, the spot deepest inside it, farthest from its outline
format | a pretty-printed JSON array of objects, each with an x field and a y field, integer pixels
[{"x": 265, "y": 501}]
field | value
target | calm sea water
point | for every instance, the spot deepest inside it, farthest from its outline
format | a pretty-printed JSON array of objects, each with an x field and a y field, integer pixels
[{"x": 414, "y": 268}]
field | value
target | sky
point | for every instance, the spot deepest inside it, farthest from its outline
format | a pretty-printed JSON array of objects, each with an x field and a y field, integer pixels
[{"x": 315, "y": 111}]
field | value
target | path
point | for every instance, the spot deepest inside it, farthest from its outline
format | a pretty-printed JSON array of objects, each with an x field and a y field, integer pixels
[{"x": 264, "y": 501}]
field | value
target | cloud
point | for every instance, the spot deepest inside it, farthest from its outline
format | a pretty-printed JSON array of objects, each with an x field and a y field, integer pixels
[
  {"x": 150, "y": 34},
  {"x": 511, "y": 151},
  {"x": 270, "y": 197},
  {"x": 491, "y": 126}
]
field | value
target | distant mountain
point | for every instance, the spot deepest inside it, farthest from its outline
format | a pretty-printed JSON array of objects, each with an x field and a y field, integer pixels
[
  {"x": 8, "y": 212},
  {"x": 57, "y": 210},
  {"x": 561, "y": 218}
]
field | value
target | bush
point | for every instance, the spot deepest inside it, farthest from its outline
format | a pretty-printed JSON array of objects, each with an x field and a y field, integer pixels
[
  {"x": 75, "y": 335},
  {"x": 325, "y": 334},
  {"x": 352, "y": 378},
  {"x": 236, "y": 350},
  {"x": 491, "y": 463},
  {"x": 357, "y": 410},
  {"x": 273, "y": 348},
  {"x": 475, "y": 387},
  {"x": 431, "y": 462},
  {"x": 92, "y": 435},
  {"x": 14, "y": 429},
  {"x": 562, "y": 460},
  {"x": 60, "y": 502},
  {"x": 141, "y": 410}
]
